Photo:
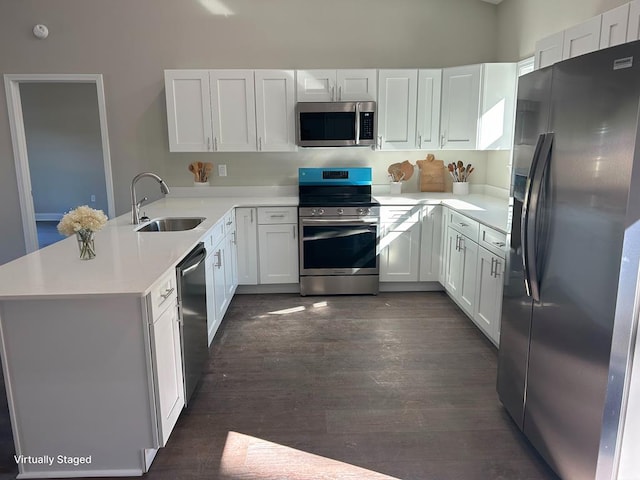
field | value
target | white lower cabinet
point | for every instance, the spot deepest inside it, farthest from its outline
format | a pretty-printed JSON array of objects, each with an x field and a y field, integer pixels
[
  {"x": 462, "y": 253},
  {"x": 489, "y": 294},
  {"x": 278, "y": 253},
  {"x": 247, "y": 245},
  {"x": 400, "y": 252},
  {"x": 167, "y": 361},
  {"x": 430, "y": 243}
]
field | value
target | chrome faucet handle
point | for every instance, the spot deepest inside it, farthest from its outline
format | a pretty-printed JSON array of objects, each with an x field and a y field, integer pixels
[{"x": 139, "y": 204}]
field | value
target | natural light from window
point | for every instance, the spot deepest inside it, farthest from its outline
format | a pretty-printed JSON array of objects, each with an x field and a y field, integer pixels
[{"x": 216, "y": 7}]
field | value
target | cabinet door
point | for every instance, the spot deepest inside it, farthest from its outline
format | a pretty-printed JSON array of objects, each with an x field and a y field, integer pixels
[
  {"x": 614, "y": 26},
  {"x": 278, "y": 253},
  {"x": 167, "y": 358},
  {"x": 633, "y": 26},
  {"x": 469, "y": 265},
  {"x": 489, "y": 294},
  {"x": 430, "y": 242},
  {"x": 428, "y": 120},
  {"x": 316, "y": 85},
  {"x": 234, "y": 110},
  {"x": 188, "y": 110},
  {"x": 444, "y": 225},
  {"x": 275, "y": 110},
  {"x": 453, "y": 266},
  {"x": 220, "y": 265},
  {"x": 460, "y": 107},
  {"x": 549, "y": 50},
  {"x": 497, "y": 106},
  {"x": 397, "y": 99},
  {"x": 247, "y": 245},
  {"x": 582, "y": 38},
  {"x": 356, "y": 85},
  {"x": 231, "y": 267},
  {"x": 400, "y": 252}
]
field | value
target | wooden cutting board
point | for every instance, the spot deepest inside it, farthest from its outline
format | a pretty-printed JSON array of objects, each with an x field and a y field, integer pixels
[{"x": 431, "y": 174}]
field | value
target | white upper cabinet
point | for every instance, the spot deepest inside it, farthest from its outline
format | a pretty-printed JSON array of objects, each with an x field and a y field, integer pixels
[
  {"x": 428, "y": 120},
  {"x": 633, "y": 26},
  {"x": 188, "y": 110},
  {"x": 460, "y": 107},
  {"x": 613, "y": 30},
  {"x": 477, "y": 107},
  {"x": 397, "y": 100},
  {"x": 233, "y": 107},
  {"x": 582, "y": 38},
  {"x": 275, "y": 110},
  {"x": 336, "y": 85},
  {"x": 549, "y": 50},
  {"x": 356, "y": 85}
]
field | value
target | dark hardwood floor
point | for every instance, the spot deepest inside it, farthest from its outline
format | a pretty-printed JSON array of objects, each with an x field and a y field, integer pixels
[{"x": 401, "y": 385}]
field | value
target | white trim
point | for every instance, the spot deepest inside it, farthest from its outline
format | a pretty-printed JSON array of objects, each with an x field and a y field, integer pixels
[
  {"x": 526, "y": 65},
  {"x": 18, "y": 140},
  {"x": 49, "y": 217}
]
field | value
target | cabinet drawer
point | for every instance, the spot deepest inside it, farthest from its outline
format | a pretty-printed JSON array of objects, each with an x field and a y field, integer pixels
[
  {"x": 274, "y": 215},
  {"x": 493, "y": 240},
  {"x": 464, "y": 225},
  {"x": 230, "y": 222},
  {"x": 163, "y": 294},
  {"x": 399, "y": 213},
  {"x": 214, "y": 235}
]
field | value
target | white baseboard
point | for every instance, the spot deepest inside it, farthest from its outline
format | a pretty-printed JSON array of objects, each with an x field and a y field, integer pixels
[
  {"x": 275, "y": 288},
  {"x": 49, "y": 217},
  {"x": 410, "y": 287},
  {"x": 82, "y": 473}
]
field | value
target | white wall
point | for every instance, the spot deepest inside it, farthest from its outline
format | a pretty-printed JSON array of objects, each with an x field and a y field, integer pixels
[
  {"x": 64, "y": 145},
  {"x": 522, "y": 22},
  {"x": 132, "y": 42}
]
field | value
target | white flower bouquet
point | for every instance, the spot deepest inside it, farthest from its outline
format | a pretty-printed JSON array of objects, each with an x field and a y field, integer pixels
[{"x": 83, "y": 221}]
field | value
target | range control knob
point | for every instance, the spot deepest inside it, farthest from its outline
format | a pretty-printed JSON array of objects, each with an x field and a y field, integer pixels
[
  {"x": 340, "y": 211},
  {"x": 314, "y": 211},
  {"x": 321, "y": 211},
  {"x": 364, "y": 211}
]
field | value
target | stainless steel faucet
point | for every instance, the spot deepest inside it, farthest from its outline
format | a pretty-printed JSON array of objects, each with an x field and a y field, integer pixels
[{"x": 135, "y": 204}]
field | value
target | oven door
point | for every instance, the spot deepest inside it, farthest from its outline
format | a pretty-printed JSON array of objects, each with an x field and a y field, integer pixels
[{"x": 338, "y": 246}]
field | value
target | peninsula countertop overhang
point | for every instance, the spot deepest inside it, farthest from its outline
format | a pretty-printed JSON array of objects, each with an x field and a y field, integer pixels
[{"x": 130, "y": 262}]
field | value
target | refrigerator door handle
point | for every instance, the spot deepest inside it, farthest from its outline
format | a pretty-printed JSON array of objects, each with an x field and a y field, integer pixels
[
  {"x": 524, "y": 224},
  {"x": 532, "y": 217}
]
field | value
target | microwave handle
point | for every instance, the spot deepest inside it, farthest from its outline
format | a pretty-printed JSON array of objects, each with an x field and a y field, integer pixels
[{"x": 357, "y": 123}]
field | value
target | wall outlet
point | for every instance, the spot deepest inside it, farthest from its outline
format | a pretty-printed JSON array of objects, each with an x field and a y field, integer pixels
[
  {"x": 222, "y": 170},
  {"x": 93, "y": 199}
]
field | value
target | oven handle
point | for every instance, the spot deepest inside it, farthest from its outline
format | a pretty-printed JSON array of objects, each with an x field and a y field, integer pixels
[
  {"x": 338, "y": 221},
  {"x": 357, "y": 123}
]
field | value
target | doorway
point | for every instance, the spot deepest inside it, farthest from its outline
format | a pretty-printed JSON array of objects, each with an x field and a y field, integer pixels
[{"x": 60, "y": 142}]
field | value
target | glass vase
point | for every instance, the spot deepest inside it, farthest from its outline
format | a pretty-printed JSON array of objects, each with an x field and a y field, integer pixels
[{"x": 86, "y": 244}]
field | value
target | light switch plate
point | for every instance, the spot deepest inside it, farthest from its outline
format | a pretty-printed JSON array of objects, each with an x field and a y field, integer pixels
[{"x": 222, "y": 170}]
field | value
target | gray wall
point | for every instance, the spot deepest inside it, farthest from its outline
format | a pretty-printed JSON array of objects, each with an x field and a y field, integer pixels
[
  {"x": 132, "y": 42},
  {"x": 64, "y": 145}
]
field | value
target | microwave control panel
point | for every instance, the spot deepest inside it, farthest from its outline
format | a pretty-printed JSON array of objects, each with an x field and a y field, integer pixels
[{"x": 366, "y": 125}]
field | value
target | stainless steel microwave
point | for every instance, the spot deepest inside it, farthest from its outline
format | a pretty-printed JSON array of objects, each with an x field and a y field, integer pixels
[{"x": 335, "y": 124}]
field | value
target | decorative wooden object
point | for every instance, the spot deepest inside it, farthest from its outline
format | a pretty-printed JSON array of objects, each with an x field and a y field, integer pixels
[{"x": 431, "y": 174}]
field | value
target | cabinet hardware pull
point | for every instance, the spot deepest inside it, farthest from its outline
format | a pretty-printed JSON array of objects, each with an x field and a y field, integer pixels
[
  {"x": 218, "y": 255},
  {"x": 457, "y": 243},
  {"x": 461, "y": 243},
  {"x": 419, "y": 140},
  {"x": 260, "y": 143},
  {"x": 442, "y": 141},
  {"x": 340, "y": 93},
  {"x": 280, "y": 215},
  {"x": 215, "y": 144},
  {"x": 251, "y": 211},
  {"x": 497, "y": 272},
  {"x": 499, "y": 244},
  {"x": 463, "y": 224},
  {"x": 229, "y": 222},
  {"x": 167, "y": 293},
  {"x": 234, "y": 238},
  {"x": 294, "y": 231},
  {"x": 333, "y": 89},
  {"x": 208, "y": 143},
  {"x": 493, "y": 261}
]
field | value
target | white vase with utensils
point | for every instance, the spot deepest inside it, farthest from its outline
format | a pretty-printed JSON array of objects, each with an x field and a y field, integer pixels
[{"x": 460, "y": 188}]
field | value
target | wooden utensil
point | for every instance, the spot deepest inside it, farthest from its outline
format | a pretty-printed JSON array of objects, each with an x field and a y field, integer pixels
[
  {"x": 207, "y": 170},
  {"x": 193, "y": 169},
  {"x": 407, "y": 170}
]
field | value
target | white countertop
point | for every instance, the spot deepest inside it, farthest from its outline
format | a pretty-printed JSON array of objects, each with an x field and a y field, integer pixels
[{"x": 130, "y": 262}]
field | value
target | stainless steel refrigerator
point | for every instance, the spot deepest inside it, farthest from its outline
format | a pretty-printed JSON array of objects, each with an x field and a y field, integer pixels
[{"x": 572, "y": 266}]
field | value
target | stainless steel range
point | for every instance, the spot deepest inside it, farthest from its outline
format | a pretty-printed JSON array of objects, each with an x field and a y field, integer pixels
[{"x": 339, "y": 228}]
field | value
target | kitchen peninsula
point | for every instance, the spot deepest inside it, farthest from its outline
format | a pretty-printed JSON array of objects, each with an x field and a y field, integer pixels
[{"x": 88, "y": 362}]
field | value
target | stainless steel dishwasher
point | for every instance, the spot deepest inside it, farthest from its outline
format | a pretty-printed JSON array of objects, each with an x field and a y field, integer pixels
[{"x": 192, "y": 307}]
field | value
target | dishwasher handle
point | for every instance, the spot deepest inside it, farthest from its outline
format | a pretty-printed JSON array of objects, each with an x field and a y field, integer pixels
[{"x": 193, "y": 260}]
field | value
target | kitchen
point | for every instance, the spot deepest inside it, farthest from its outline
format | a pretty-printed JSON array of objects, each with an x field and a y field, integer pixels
[{"x": 136, "y": 100}]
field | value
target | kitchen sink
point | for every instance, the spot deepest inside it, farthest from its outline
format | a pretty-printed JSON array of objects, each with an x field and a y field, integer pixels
[{"x": 170, "y": 224}]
